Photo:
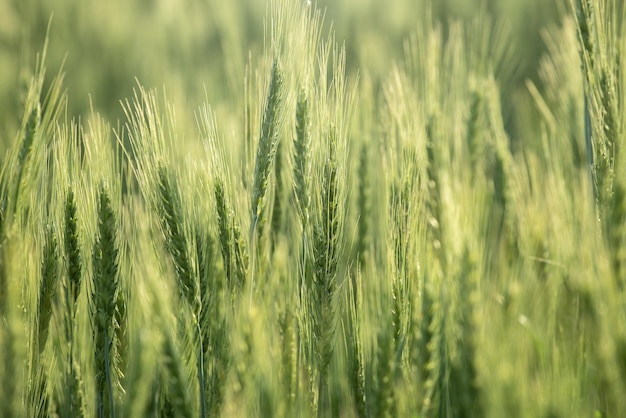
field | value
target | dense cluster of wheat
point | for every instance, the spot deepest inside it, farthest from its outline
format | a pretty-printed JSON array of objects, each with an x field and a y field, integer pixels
[{"x": 340, "y": 249}]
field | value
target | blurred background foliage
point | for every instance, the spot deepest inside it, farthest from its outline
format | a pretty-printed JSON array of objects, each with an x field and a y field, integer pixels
[{"x": 198, "y": 49}]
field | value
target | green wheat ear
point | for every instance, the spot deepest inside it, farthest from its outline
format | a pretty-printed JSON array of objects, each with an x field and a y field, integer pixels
[
  {"x": 104, "y": 301},
  {"x": 48, "y": 287},
  {"x": 358, "y": 381},
  {"x": 268, "y": 144},
  {"x": 233, "y": 248},
  {"x": 31, "y": 130},
  {"x": 364, "y": 206},
  {"x": 277, "y": 209},
  {"x": 385, "y": 396},
  {"x": 72, "y": 250},
  {"x": 301, "y": 158},
  {"x": 177, "y": 389},
  {"x": 326, "y": 248},
  {"x": 72, "y": 399},
  {"x": 172, "y": 225}
]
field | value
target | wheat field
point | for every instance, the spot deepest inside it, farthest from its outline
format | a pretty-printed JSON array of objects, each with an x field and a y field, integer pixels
[{"x": 439, "y": 235}]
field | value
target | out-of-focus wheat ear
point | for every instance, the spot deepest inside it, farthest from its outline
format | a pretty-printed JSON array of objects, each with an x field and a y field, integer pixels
[
  {"x": 151, "y": 406},
  {"x": 47, "y": 288},
  {"x": 218, "y": 367},
  {"x": 30, "y": 132},
  {"x": 277, "y": 209},
  {"x": 585, "y": 28},
  {"x": 426, "y": 336},
  {"x": 616, "y": 234},
  {"x": 234, "y": 252},
  {"x": 39, "y": 400},
  {"x": 584, "y": 18},
  {"x": 177, "y": 389},
  {"x": 207, "y": 310},
  {"x": 433, "y": 203},
  {"x": 242, "y": 258},
  {"x": 177, "y": 244},
  {"x": 473, "y": 129},
  {"x": 608, "y": 143},
  {"x": 72, "y": 250},
  {"x": 301, "y": 175},
  {"x": 466, "y": 395},
  {"x": 288, "y": 333},
  {"x": 3, "y": 273},
  {"x": 103, "y": 302},
  {"x": 268, "y": 144},
  {"x": 385, "y": 372},
  {"x": 8, "y": 388},
  {"x": 326, "y": 246},
  {"x": 357, "y": 383},
  {"x": 214, "y": 335},
  {"x": 169, "y": 207},
  {"x": 363, "y": 204},
  {"x": 436, "y": 398},
  {"x": 401, "y": 237},
  {"x": 224, "y": 231},
  {"x": 203, "y": 262},
  {"x": 301, "y": 158},
  {"x": 74, "y": 385}
]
